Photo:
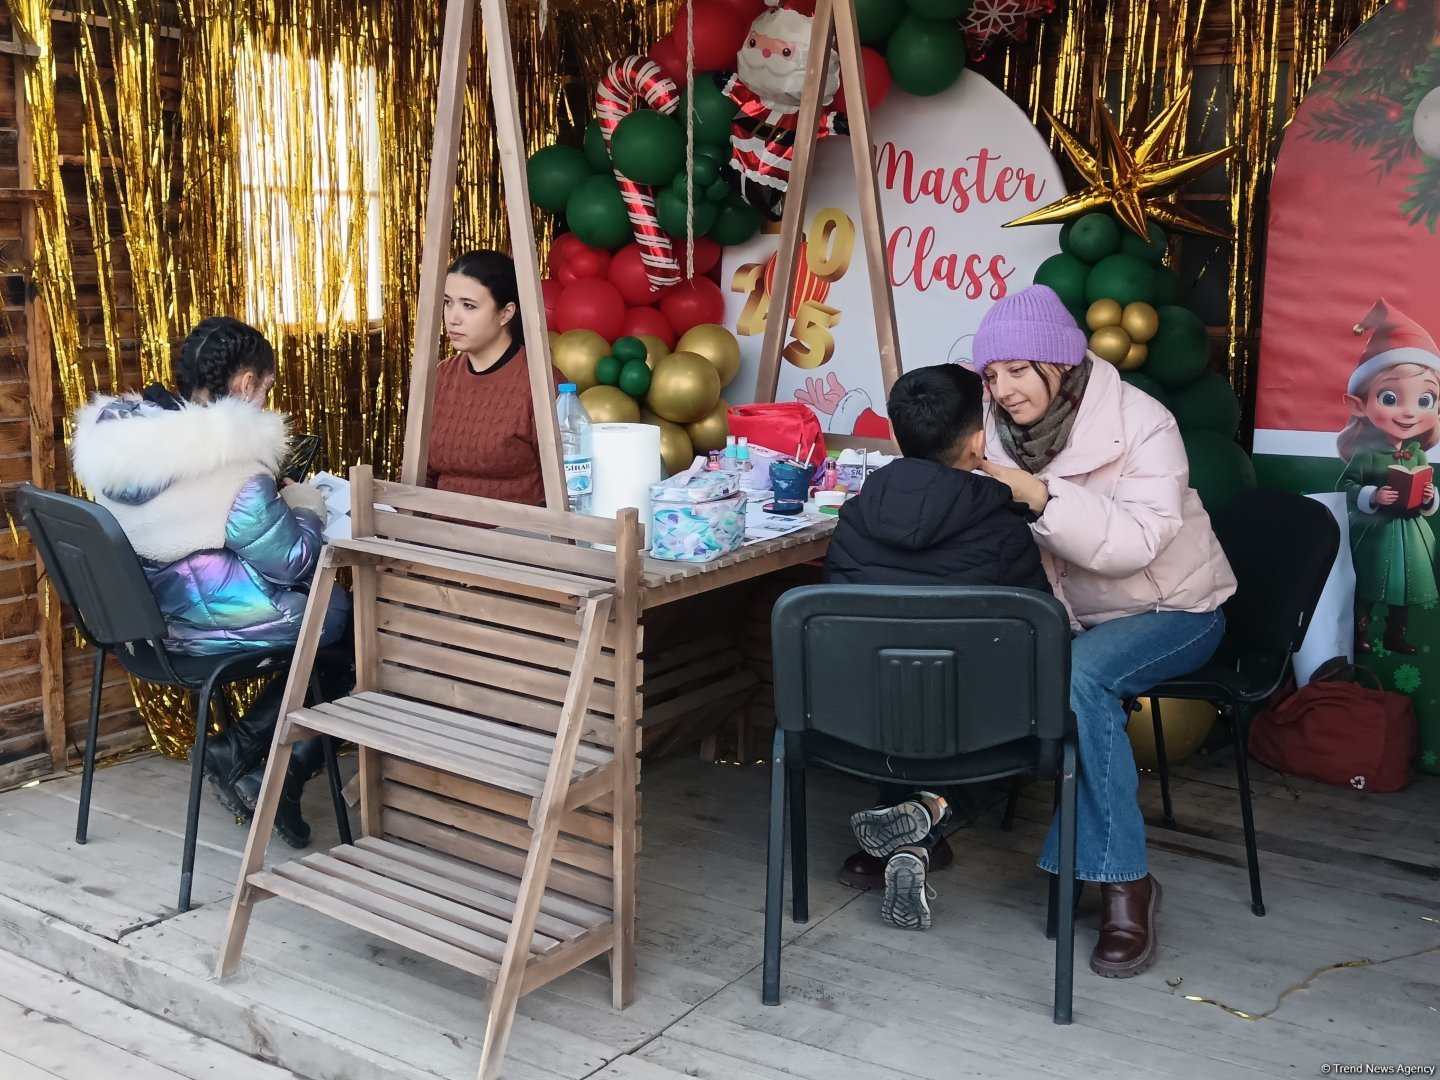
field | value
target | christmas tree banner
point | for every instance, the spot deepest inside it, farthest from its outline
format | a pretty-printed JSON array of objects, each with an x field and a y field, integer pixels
[
  {"x": 1348, "y": 390},
  {"x": 953, "y": 169}
]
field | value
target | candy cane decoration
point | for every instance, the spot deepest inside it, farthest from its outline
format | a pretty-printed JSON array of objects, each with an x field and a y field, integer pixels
[{"x": 627, "y": 79}]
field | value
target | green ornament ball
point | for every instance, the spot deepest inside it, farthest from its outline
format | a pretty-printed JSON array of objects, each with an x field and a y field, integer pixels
[
  {"x": 1094, "y": 237},
  {"x": 626, "y": 349},
  {"x": 1147, "y": 383},
  {"x": 1066, "y": 275},
  {"x": 1122, "y": 278},
  {"x": 670, "y": 211},
  {"x": 1167, "y": 287},
  {"x": 607, "y": 370},
  {"x": 554, "y": 173},
  {"x": 736, "y": 222},
  {"x": 596, "y": 213},
  {"x": 635, "y": 378},
  {"x": 877, "y": 19},
  {"x": 595, "y": 150},
  {"x": 1207, "y": 404},
  {"x": 1180, "y": 350},
  {"x": 714, "y": 113},
  {"x": 939, "y": 9},
  {"x": 1151, "y": 250},
  {"x": 1219, "y": 470},
  {"x": 648, "y": 147},
  {"x": 925, "y": 56}
]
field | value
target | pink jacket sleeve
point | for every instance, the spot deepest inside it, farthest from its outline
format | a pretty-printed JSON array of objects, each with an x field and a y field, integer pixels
[{"x": 1120, "y": 534}]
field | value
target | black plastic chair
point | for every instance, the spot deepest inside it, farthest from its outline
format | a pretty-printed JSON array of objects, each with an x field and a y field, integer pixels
[
  {"x": 1281, "y": 547},
  {"x": 98, "y": 576},
  {"x": 920, "y": 685}
]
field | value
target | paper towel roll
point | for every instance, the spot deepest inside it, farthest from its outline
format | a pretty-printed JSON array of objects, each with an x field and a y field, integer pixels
[{"x": 627, "y": 462}]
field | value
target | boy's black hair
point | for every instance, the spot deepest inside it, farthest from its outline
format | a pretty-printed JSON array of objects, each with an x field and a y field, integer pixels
[
  {"x": 496, "y": 271},
  {"x": 216, "y": 351},
  {"x": 933, "y": 410}
]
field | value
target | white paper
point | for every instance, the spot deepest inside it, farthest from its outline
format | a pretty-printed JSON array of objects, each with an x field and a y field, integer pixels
[
  {"x": 760, "y": 526},
  {"x": 1332, "y": 628}
]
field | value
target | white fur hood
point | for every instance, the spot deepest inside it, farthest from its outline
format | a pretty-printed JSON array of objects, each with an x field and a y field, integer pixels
[{"x": 130, "y": 450}]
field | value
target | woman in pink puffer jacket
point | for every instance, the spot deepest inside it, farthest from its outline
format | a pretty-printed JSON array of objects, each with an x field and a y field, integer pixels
[{"x": 1130, "y": 552}]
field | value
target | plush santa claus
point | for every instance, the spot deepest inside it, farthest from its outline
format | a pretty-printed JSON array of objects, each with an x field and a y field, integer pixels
[{"x": 766, "y": 90}]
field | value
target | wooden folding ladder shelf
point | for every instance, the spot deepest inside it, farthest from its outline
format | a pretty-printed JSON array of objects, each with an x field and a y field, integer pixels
[{"x": 494, "y": 709}]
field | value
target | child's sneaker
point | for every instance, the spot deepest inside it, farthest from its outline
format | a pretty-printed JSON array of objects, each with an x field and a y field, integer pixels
[
  {"x": 907, "y": 901},
  {"x": 887, "y": 828}
]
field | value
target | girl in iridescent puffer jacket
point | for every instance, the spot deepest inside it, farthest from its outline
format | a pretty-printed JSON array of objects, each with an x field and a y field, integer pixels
[{"x": 228, "y": 549}]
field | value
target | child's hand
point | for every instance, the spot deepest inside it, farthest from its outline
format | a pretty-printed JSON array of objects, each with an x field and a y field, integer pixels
[
  {"x": 1387, "y": 495},
  {"x": 1024, "y": 486}
]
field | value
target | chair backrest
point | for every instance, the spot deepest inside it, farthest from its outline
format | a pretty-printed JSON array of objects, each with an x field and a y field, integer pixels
[
  {"x": 921, "y": 671},
  {"x": 1281, "y": 547},
  {"x": 93, "y": 567}
]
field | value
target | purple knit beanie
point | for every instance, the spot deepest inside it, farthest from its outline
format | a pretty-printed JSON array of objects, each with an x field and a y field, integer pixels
[{"x": 1031, "y": 324}]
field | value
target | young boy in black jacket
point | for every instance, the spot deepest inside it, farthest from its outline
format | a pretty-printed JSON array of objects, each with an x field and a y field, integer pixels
[{"x": 926, "y": 519}]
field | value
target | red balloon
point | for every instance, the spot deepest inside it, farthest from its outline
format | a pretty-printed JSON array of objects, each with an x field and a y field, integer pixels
[
  {"x": 582, "y": 261},
  {"x": 646, "y": 320},
  {"x": 748, "y": 10},
  {"x": 667, "y": 53},
  {"x": 720, "y": 30},
  {"x": 591, "y": 304},
  {"x": 707, "y": 255},
  {"x": 627, "y": 273},
  {"x": 877, "y": 80},
  {"x": 693, "y": 302},
  {"x": 560, "y": 249},
  {"x": 551, "y": 290}
]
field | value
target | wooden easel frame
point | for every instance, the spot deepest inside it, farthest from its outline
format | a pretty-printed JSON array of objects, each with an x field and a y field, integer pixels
[{"x": 834, "y": 20}]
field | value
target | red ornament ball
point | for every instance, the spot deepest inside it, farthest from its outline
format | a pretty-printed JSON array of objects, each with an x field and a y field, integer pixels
[
  {"x": 693, "y": 302},
  {"x": 591, "y": 304}
]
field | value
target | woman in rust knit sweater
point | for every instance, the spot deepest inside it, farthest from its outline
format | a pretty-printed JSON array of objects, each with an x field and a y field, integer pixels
[{"x": 482, "y": 439}]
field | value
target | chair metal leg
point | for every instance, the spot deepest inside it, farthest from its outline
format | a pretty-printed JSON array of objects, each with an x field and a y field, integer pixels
[
  {"x": 1012, "y": 801},
  {"x": 799, "y": 856},
  {"x": 1065, "y": 938},
  {"x": 192, "y": 810},
  {"x": 337, "y": 791},
  {"x": 1247, "y": 813},
  {"x": 1052, "y": 908},
  {"x": 92, "y": 736},
  {"x": 1162, "y": 765},
  {"x": 774, "y": 874}
]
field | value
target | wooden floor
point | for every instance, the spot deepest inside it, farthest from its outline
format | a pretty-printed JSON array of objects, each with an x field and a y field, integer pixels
[{"x": 1351, "y": 880}]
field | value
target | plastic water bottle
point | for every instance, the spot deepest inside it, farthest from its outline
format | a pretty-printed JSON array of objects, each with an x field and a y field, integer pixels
[{"x": 576, "y": 443}]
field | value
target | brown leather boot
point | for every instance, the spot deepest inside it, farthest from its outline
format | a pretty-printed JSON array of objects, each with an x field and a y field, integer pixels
[
  {"x": 1397, "y": 621},
  {"x": 863, "y": 871},
  {"x": 1127, "y": 944}
]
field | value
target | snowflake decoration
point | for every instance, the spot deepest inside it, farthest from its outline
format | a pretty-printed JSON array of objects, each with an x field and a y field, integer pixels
[
  {"x": 1406, "y": 678},
  {"x": 989, "y": 20},
  {"x": 1358, "y": 783},
  {"x": 1428, "y": 758}
]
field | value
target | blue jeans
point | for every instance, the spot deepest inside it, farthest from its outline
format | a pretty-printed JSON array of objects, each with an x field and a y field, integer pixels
[{"x": 1108, "y": 662}]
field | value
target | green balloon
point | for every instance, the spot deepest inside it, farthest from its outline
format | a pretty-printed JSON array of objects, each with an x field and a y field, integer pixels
[
  {"x": 1219, "y": 470},
  {"x": 554, "y": 173},
  {"x": 595, "y": 150},
  {"x": 1147, "y": 383},
  {"x": 719, "y": 191},
  {"x": 706, "y": 172},
  {"x": 648, "y": 147},
  {"x": 925, "y": 56},
  {"x": 1167, "y": 286},
  {"x": 877, "y": 19},
  {"x": 1122, "y": 278},
  {"x": 1179, "y": 352},
  {"x": 1066, "y": 275},
  {"x": 1065, "y": 231},
  {"x": 607, "y": 371},
  {"x": 635, "y": 378},
  {"x": 736, "y": 222},
  {"x": 1207, "y": 404},
  {"x": 714, "y": 113},
  {"x": 1094, "y": 237},
  {"x": 939, "y": 9},
  {"x": 626, "y": 349},
  {"x": 1151, "y": 250},
  {"x": 596, "y": 213},
  {"x": 670, "y": 212}
]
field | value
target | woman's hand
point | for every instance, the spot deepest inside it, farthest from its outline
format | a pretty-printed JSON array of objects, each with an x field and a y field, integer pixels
[
  {"x": 1026, "y": 487},
  {"x": 1386, "y": 496}
]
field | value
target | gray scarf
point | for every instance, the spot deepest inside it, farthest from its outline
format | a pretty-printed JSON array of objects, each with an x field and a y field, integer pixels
[{"x": 1034, "y": 447}]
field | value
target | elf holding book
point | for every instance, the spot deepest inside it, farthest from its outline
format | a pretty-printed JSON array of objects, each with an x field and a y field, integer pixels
[{"x": 1394, "y": 401}]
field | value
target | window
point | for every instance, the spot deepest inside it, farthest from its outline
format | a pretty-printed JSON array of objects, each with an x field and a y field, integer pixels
[{"x": 309, "y": 147}]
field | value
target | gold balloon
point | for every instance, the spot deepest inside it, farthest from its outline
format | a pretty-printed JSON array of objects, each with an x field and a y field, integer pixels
[
  {"x": 1185, "y": 723},
  {"x": 1141, "y": 321},
  {"x": 676, "y": 450},
  {"x": 1103, "y": 313},
  {"x": 717, "y": 345},
  {"x": 1135, "y": 357},
  {"x": 684, "y": 388},
  {"x": 554, "y": 337},
  {"x": 610, "y": 405},
  {"x": 655, "y": 349},
  {"x": 708, "y": 433},
  {"x": 1110, "y": 343},
  {"x": 575, "y": 354}
]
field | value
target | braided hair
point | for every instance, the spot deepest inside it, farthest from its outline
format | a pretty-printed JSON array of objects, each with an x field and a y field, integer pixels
[
  {"x": 216, "y": 351},
  {"x": 496, "y": 271}
]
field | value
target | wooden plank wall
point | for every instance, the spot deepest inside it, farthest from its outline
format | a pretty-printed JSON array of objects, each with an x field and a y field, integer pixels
[{"x": 25, "y": 750}]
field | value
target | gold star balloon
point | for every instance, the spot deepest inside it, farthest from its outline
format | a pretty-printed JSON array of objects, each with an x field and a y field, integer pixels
[{"x": 1134, "y": 184}]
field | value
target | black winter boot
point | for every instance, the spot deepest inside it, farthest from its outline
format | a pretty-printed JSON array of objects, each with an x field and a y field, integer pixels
[
  {"x": 241, "y": 748},
  {"x": 307, "y": 759}
]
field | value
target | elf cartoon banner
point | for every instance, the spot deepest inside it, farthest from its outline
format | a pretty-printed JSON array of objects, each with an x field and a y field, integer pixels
[
  {"x": 953, "y": 169},
  {"x": 1348, "y": 392}
]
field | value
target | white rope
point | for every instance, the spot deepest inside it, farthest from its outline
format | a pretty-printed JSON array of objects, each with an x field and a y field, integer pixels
[{"x": 689, "y": 139}]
